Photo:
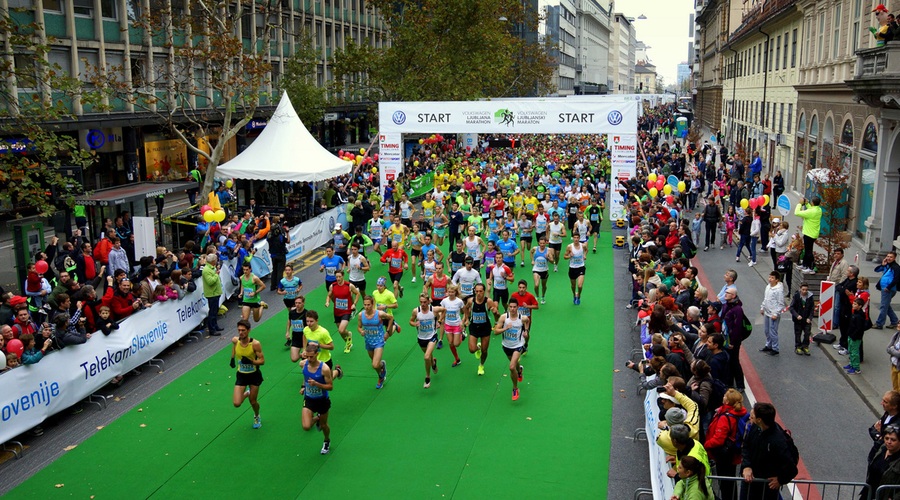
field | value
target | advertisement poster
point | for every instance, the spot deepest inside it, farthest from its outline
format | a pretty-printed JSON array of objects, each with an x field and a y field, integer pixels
[{"x": 165, "y": 160}]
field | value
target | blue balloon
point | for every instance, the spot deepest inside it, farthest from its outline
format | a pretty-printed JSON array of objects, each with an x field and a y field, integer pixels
[{"x": 673, "y": 212}]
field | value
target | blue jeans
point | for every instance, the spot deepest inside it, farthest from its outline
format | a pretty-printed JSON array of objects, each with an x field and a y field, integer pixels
[
  {"x": 884, "y": 310},
  {"x": 771, "y": 328},
  {"x": 753, "y": 240}
]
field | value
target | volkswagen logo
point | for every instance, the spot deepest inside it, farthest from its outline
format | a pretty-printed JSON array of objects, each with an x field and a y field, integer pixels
[
  {"x": 614, "y": 117},
  {"x": 399, "y": 117}
]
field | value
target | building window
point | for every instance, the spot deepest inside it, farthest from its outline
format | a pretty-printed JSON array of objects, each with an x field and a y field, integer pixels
[
  {"x": 808, "y": 32},
  {"x": 820, "y": 52},
  {"x": 789, "y": 116},
  {"x": 777, "y": 51},
  {"x": 781, "y": 119},
  {"x": 836, "y": 31},
  {"x": 847, "y": 134},
  {"x": 793, "y": 49},
  {"x": 857, "y": 19},
  {"x": 54, "y": 5},
  {"x": 870, "y": 138},
  {"x": 771, "y": 61},
  {"x": 784, "y": 58},
  {"x": 83, "y": 7},
  {"x": 25, "y": 71}
]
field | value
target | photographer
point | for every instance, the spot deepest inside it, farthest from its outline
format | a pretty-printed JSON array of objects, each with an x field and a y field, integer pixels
[{"x": 123, "y": 302}]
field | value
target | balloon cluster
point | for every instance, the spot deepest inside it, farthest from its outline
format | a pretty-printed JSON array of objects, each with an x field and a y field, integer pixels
[
  {"x": 657, "y": 184},
  {"x": 358, "y": 159},
  {"x": 434, "y": 139},
  {"x": 211, "y": 215},
  {"x": 753, "y": 203}
]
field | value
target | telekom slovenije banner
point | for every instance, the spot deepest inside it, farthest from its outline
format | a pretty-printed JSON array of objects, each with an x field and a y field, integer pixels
[{"x": 31, "y": 393}]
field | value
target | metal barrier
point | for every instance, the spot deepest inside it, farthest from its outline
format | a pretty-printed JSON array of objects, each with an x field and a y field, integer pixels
[
  {"x": 887, "y": 492},
  {"x": 733, "y": 488}
]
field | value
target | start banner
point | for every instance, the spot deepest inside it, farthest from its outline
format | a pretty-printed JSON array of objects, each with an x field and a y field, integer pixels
[{"x": 31, "y": 393}]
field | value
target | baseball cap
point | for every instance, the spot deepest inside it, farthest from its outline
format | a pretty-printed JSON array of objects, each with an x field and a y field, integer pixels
[
  {"x": 663, "y": 395},
  {"x": 337, "y": 227}
]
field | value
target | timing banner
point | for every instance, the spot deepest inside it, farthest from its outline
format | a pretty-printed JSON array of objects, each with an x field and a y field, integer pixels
[
  {"x": 31, "y": 393},
  {"x": 623, "y": 166},
  {"x": 560, "y": 116}
]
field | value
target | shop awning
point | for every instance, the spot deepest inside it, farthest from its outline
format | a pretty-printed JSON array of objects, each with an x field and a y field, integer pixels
[{"x": 131, "y": 193}]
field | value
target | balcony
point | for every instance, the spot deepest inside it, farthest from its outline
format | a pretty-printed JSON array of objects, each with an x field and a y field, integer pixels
[{"x": 877, "y": 78}]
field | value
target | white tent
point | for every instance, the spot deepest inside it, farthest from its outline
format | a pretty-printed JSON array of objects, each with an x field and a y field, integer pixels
[{"x": 285, "y": 151}]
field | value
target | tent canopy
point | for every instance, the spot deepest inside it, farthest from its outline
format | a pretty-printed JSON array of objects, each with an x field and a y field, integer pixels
[{"x": 285, "y": 151}]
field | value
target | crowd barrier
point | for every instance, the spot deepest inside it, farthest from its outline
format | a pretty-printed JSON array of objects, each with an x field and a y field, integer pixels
[
  {"x": 798, "y": 489},
  {"x": 662, "y": 486},
  {"x": 31, "y": 393}
]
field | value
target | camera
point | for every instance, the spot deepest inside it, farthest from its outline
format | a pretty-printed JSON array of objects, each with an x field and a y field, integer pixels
[{"x": 661, "y": 389}]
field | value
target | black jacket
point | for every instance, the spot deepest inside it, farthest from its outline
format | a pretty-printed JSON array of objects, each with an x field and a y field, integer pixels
[
  {"x": 802, "y": 307},
  {"x": 766, "y": 452}
]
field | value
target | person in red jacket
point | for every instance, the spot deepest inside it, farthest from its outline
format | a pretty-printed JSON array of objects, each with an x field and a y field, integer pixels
[
  {"x": 123, "y": 302},
  {"x": 104, "y": 246},
  {"x": 397, "y": 261},
  {"x": 723, "y": 429}
]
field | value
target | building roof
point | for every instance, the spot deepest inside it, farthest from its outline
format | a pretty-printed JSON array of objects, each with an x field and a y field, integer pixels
[{"x": 643, "y": 69}]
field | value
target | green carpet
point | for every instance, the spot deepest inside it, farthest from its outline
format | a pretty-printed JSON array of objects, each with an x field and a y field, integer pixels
[{"x": 462, "y": 438}]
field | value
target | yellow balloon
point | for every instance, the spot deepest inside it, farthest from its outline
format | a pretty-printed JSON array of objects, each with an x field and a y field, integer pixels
[
  {"x": 209, "y": 216},
  {"x": 667, "y": 189},
  {"x": 421, "y": 141},
  {"x": 653, "y": 192},
  {"x": 651, "y": 177},
  {"x": 362, "y": 151},
  {"x": 681, "y": 186},
  {"x": 766, "y": 197},
  {"x": 219, "y": 215},
  {"x": 745, "y": 203},
  {"x": 229, "y": 183},
  {"x": 416, "y": 163},
  {"x": 374, "y": 170},
  {"x": 433, "y": 156}
]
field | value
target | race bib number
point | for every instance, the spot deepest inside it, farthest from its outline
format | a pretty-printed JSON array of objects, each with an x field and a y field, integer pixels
[
  {"x": 396, "y": 262},
  {"x": 342, "y": 304},
  {"x": 479, "y": 317}
]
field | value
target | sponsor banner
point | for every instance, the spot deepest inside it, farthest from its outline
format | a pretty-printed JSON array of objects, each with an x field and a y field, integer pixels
[
  {"x": 662, "y": 485},
  {"x": 315, "y": 232},
  {"x": 623, "y": 166},
  {"x": 560, "y": 116},
  {"x": 390, "y": 158},
  {"x": 470, "y": 142},
  {"x": 31, "y": 393}
]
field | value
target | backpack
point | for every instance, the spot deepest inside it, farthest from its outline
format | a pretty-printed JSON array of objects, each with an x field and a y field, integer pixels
[
  {"x": 718, "y": 392},
  {"x": 792, "y": 448},
  {"x": 735, "y": 443},
  {"x": 746, "y": 325}
]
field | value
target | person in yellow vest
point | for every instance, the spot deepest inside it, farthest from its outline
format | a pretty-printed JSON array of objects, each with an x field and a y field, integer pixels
[{"x": 249, "y": 354}]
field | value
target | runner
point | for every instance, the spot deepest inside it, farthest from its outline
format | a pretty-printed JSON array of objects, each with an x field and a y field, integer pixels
[
  {"x": 289, "y": 286},
  {"x": 249, "y": 377},
  {"x": 376, "y": 229},
  {"x": 557, "y": 233},
  {"x": 358, "y": 265},
  {"x": 475, "y": 247},
  {"x": 424, "y": 318},
  {"x": 437, "y": 283},
  {"x": 515, "y": 332},
  {"x": 386, "y": 301},
  {"x": 594, "y": 213},
  {"x": 399, "y": 261},
  {"x": 416, "y": 240},
  {"x": 340, "y": 240},
  {"x": 407, "y": 210},
  {"x": 251, "y": 287},
  {"x": 457, "y": 258},
  {"x": 540, "y": 256},
  {"x": 541, "y": 222},
  {"x": 398, "y": 233},
  {"x": 583, "y": 227},
  {"x": 360, "y": 240},
  {"x": 527, "y": 304},
  {"x": 317, "y": 381},
  {"x": 428, "y": 211},
  {"x": 345, "y": 297},
  {"x": 441, "y": 223},
  {"x": 509, "y": 248},
  {"x": 477, "y": 308},
  {"x": 499, "y": 275},
  {"x": 575, "y": 254},
  {"x": 526, "y": 228},
  {"x": 295, "y": 325},
  {"x": 330, "y": 264},
  {"x": 453, "y": 321},
  {"x": 314, "y": 332},
  {"x": 371, "y": 327}
]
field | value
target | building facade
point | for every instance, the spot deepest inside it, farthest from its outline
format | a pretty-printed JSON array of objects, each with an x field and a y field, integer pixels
[
  {"x": 593, "y": 35},
  {"x": 715, "y": 21},
  {"x": 622, "y": 55},
  {"x": 758, "y": 94},
  {"x": 86, "y": 34},
  {"x": 645, "y": 79},
  {"x": 561, "y": 24}
]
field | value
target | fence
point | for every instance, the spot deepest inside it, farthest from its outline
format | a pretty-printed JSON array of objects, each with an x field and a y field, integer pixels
[{"x": 801, "y": 488}]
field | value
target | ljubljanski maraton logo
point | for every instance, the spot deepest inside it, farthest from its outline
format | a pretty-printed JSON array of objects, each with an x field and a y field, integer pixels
[
  {"x": 505, "y": 117},
  {"x": 616, "y": 139},
  {"x": 399, "y": 117},
  {"x": 614, "y": 117}
]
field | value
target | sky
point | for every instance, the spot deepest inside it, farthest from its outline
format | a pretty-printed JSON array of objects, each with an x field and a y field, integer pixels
[{"x": 665, "y": 30}]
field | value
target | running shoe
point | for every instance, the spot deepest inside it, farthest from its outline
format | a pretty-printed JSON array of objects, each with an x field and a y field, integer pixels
[
  {"x": 798, "y": 351},
  {"x": 555, "y": 268},
  {"x": 847, "y": 367},
  {"x": 523, "y": 264},
  {"x": 380, "y": 383},
  {"x": 383, "y": 370},
  {"x": 737, "y": 259},
  {"x": 481, "y": 369},
  {"x": 806, "y": 351},
  {"x": 401, "y": 290},
  {"x": 595, "y": 249},
  {"x": 340, "y": 372},
  {"x": 456, "y": 363},
  {"x": 853, "y": 371},
  {"x": 543, "y": 300},
  {"x": 521, "y": 370},
  {"x": 326, "y": 446},
  {"x": 348, "y": 345},
  {"x": 577, "y": 301},
  {"x": 263, "y": 304},
  {"x": 427, "y": 383},
  {"x": 257, "y": 422},
  {"x": 478, "y": 351},
  {"x": 515, "y": 396},
  {"x": 434, "y": 365},
  {"x": 440, "y": 344},
  {"x": 397, "y": 327},
  {"x": 836, "y": 346},
  {"x": 287, "y": 343}
]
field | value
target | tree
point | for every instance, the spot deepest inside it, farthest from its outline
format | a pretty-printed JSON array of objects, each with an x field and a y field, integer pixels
[
  {"x": 831, "y": 184},
  {"x": 660, "y": 84},
  {"x": 440, "y": 50},
  {"x": 33, "y": 102},
  {"x": 213, "y": 77},
  {"x": 300, "y": 83}
]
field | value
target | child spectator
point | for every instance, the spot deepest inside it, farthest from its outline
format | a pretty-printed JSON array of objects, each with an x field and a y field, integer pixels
[
  {"x": 12, "y": 361},
  {"x": 160, "y": 294},
  {"x": 695, "y": 228},
  {"x": 857, "y": 328},
  {"x": 32, "y": 354},
  {"x": 106, "y": 323},
  {"x": 801, "y": 312}
]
